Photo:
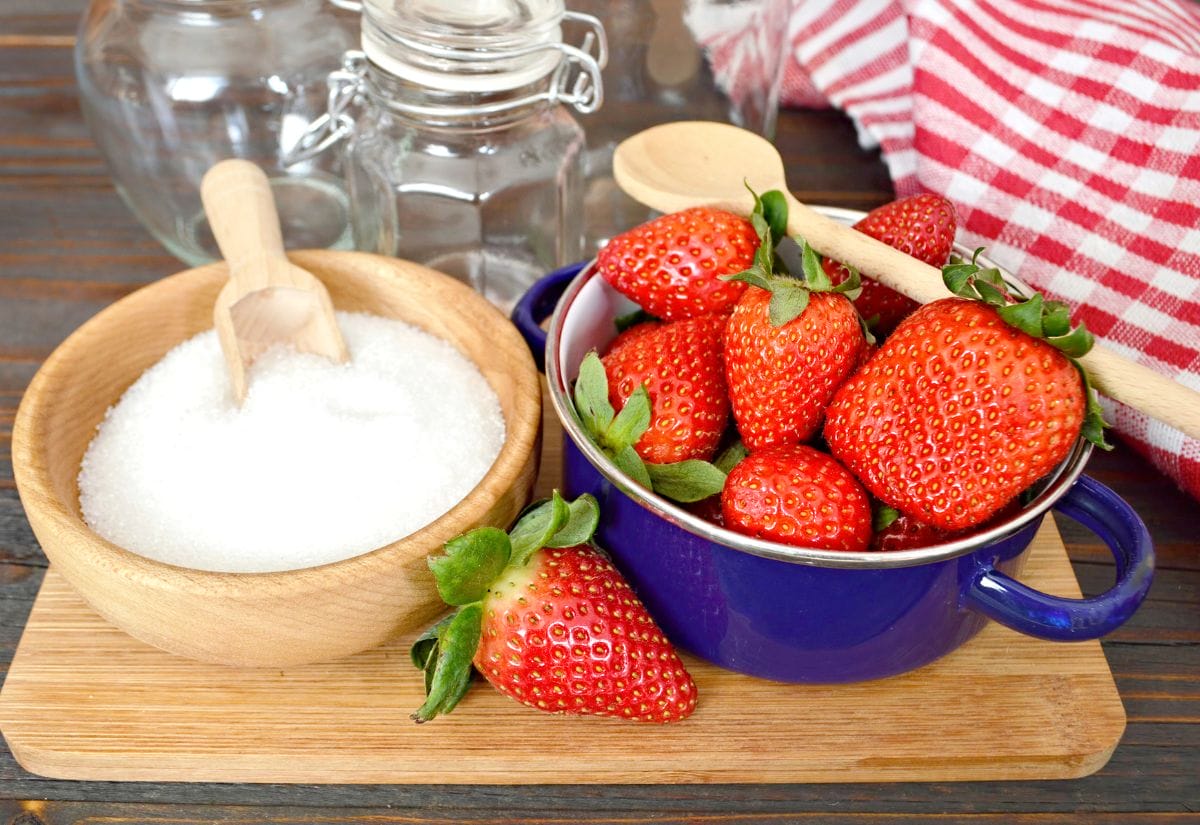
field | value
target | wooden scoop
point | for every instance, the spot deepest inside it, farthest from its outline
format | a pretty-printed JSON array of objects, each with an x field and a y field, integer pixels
[
  {"x": 679, "y": 165},
  {"x": 268, "y": 300}
]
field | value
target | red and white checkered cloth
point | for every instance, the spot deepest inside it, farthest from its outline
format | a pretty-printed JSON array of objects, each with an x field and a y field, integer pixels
[{"x": 1067, "y": 134}]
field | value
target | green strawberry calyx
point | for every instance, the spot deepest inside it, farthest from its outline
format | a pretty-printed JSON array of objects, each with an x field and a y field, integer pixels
[
  {"x": 470, "y": 565},
  {"x": 883, "y": 516},
  {"x": 789, "y": 293},
  {"x": 1049, "y": 321},
  {"x": 616, "y": 433}
]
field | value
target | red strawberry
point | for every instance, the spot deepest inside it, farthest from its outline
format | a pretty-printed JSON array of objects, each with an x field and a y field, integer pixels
[
  {"x": 797, "y": 495},
  {"x": 960, "y": 410},
  {"x": 566, "y": 633},
  {"x": 907, "y": 533},
  {"x": 549, "y": 621},
  {"x": 904, "y": 532},
  {"x": 671, "y": 266},
  {"x": 631, "y": 334},
  {"x": 708, "y": 509},
  {"x": 921, "y": 225},
  {"x": 782, "y": 377},
  {"x": 682, "y": 368}
]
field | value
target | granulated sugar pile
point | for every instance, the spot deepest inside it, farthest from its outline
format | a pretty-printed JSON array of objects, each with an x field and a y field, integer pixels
[{"x": 322, "y": 462}]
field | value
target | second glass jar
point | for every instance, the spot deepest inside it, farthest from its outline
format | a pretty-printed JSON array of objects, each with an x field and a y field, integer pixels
[{"x": 469, "y": 165}]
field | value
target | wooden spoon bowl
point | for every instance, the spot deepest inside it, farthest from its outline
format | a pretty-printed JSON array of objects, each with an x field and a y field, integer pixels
[{"x": 264, "y": 619}]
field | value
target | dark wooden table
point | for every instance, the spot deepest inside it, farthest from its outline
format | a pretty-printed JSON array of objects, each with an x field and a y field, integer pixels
[{"x": 68, "y": 247}]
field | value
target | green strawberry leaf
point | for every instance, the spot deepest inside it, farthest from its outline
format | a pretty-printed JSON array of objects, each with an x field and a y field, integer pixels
[
  {"x": 632, "y": 319},
  {"x": 1093, "y": 419},
  {"x": 458, "y": 639},
  {"x": 990, "y": 294},
  {"x": 957, "y": 277},
  {"x": 764, "y": 256},
  {"x": 686, "y": 481},
  {"x": 769, "y": 216},
  {"x": 884, "y": 517},
  {"x": 1056, "y": 320},
  {"x": 631, "y": 464},
  {"x": 631, "y": 421},
  {"x": 470, "y": 564},
  {"x": 731, "y": 456},
  {"x": 814, "y": 274},
  {"x": 788, "y": 302},
  {"x": 1075, "y": 344},
  {"x": 581, "y": 526},
  {"x": 993, "y": 277},
  {"x": 761, "y": 227},
  {"x": 591, "y": 396},
  {"x": 775, "y": 211},
  {"x": 753, "y": 276},
  {"x": 1025, "y": 316},
  {"x": 424, "y": 649},
  {"x": 535, "y": 529},
  {"x": 852, "y": 286},
  {"x": 867, "y": 325}
]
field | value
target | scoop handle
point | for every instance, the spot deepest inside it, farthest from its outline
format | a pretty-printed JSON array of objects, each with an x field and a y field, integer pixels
[
  {"x": 1111, "y": 374},
  {"x": 241, "y": 211}
]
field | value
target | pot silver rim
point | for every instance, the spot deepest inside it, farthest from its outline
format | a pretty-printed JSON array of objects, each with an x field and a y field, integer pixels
[{"x": 1051, "y": 488}]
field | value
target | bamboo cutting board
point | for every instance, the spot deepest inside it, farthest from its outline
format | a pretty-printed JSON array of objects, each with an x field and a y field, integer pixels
[{"x": 82, "y": 700}]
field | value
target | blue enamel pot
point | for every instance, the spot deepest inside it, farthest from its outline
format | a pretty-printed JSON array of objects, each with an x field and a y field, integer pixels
[{"x": 796, "y": 614}]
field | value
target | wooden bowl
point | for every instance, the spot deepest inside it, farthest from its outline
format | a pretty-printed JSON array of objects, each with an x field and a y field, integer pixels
[{"x": 263, "y": 619}]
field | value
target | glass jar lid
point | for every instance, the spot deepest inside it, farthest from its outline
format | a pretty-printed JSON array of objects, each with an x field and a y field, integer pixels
[{"x": 464, "y": 45}]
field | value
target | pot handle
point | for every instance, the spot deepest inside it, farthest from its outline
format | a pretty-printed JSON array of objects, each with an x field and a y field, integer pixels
[
  {"x": 536, "y": 305},
  {"x": 1068, "y": 620}
]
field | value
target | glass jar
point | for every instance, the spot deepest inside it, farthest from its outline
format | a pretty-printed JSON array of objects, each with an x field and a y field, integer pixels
[
  {"x": 462, "y": 155},
  {"x": 720, "y": 60},
  {"x": 170, "y": 87}
]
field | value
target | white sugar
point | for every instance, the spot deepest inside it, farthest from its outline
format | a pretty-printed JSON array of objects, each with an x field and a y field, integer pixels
[{"x": 322, "y": 462}]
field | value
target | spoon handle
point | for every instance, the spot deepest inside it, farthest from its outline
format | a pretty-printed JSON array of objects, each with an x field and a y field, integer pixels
[
  {"x": 1111, "y": 374},
  {"x": 241, "y": 212}
]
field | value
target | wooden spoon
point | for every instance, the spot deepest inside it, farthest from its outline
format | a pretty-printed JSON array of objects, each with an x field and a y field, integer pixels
[
  {"x": 268, "y": 301},
  {"x": 679, "y": 165}
]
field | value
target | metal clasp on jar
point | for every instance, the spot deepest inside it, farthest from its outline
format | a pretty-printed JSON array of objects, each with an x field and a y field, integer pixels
[{"x": 576, "y": 82}]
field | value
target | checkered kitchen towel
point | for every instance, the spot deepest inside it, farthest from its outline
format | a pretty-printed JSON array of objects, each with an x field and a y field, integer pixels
[{"x": 1067, "y": 134}]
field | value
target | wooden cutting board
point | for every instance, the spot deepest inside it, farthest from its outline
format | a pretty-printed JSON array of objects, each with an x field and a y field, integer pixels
[{"x": 82, "y": 700}]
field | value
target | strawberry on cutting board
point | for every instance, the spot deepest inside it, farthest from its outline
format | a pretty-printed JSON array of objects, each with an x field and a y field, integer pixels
[
  {"x": 547, "y": 620},
  {"x": 922, "y": 226},
  {"x": 969, "y": 402},
  {"x": 795, "y": 494},
  {"x": 671, "y": 266}
]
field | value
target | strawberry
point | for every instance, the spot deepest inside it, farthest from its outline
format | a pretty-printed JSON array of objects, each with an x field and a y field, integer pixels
[
  {"x": 547, "y": 620},
  {"x": 671, "y": 265},
  {"x": 632, "y": 333},
  {"x": 795, "y": 494},
  {"x": 789, "y": 345},
  {"x": 921, "y": 225},
  {"x": 903, "y": 532},
  {"x": 898, "y": 531},
  {"x": 682, "y": 368},
  {"x": 970, "y": 401}
]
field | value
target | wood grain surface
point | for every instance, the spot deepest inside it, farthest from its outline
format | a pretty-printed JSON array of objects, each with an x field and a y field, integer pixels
[{"x": 68, "y": 247}]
